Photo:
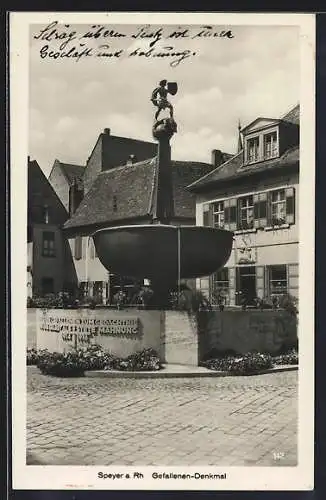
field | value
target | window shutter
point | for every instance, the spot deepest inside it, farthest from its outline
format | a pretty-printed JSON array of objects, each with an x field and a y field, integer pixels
[
  {"x": 260, "y": 281},
  {"x": 256, "y": 211},
  {"x": 263, "y": 209},
  {"x": 290, "y": 205},
  {"x": 260, "y": 210},
  {"x": 78, "y": 247},
  {"x": 227, "y": 214},
  {"x": 233, "y": 214},
  {"x": 208, "y": 215}
]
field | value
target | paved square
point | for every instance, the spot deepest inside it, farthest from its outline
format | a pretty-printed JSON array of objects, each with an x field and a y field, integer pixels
[{"x": 236, "y": 421}]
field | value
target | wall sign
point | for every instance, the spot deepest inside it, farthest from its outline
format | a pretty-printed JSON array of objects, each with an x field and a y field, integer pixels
[{"x": 90, "y": 327}]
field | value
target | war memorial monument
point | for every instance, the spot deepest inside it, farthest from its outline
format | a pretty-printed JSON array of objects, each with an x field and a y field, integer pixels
[{"x": 162, "y": 254}]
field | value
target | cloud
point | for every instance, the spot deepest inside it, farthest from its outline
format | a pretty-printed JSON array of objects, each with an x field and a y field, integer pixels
[{"x": 254, "y": 74}]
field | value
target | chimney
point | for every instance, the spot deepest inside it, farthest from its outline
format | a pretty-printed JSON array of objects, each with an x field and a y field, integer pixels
[
  {"x": 217, "y": 158},
  {"x": 131, "y": 160},
  {"x": 107, "y": 131}
]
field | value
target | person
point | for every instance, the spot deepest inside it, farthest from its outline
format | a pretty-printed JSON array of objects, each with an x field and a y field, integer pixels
[{"x": 159, "y": 99}]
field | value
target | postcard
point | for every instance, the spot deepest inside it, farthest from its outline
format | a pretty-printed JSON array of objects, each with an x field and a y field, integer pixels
[{"x": 162, "y": 173}]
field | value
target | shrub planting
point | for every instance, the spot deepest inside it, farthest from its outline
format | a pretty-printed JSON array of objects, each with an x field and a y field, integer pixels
[
  {"x": 291, "y": 357},
  {"x": 243, "y": 364},
  {"x": 75, "y": 363}
]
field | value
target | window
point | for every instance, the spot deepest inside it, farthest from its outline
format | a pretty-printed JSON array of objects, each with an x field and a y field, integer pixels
[
  {"x": 83, "y": 289},
  {"x": 48, "y": 247},
  {"x": 45, "y": 214},
  {"x": 98, "y": 290},
  {"x": 278, "y": 207},
  {"x": 221, "y": 280},
  {"x": 218, "y": 214},
  {"x": 270, "y": 145},
  {"x": 78, "y": 247},
  {"x": 47, "y": 286},
  {"x": 246, "y": 212},
  {"x": 253, "y": 149},
  {"x": 277, "y": 280}
]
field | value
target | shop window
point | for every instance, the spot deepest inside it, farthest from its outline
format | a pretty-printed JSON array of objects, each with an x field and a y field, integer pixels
[
  {"x": 98, "y": 290},
  {"x": 218, "y": 214},
  {"x": 220, "y": 280},
  {"x": 277, "y": 280},
  {"x": 246, "y": 212},
  {"x": 83, "y": 289},
  {"x": 48, "y": 244}
]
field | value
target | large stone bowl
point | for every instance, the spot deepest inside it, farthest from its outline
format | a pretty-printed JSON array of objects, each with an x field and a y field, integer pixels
[{"x": 163, "y": 252}]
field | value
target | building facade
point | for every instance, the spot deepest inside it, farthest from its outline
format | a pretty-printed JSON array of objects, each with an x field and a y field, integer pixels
[
  {"x": 255, "y": 194},
  {"x": 49, "y": 264},
  {"x": 67, "y": 182}
]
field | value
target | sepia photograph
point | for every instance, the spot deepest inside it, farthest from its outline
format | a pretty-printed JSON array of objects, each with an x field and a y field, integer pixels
[{"x": 162, "y": 255}]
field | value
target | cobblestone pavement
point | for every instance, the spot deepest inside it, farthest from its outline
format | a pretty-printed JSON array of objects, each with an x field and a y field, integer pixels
[{"x": 195, "y": 421}]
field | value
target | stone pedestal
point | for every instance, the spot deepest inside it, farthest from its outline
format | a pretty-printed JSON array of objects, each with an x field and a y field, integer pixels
[{"x": 180, "y": 342}]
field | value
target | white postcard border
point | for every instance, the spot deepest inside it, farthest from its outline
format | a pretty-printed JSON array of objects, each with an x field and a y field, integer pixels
[{"x": 238, "y": 478}]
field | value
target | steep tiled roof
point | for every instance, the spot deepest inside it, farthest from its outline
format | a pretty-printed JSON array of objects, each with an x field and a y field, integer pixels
[
  {"x": 293, "y": 116},
  {"x": 41, "y": 193},
  {"x": 72, "y": 172},
  {"x": 126, "y": 192},
  {"x": 234, "y": 168}
]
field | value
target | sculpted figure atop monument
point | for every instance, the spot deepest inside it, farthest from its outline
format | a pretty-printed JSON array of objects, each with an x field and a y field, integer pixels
[
  {"x": 159, "y": 96},
  {"x": 167, "y": 126}
]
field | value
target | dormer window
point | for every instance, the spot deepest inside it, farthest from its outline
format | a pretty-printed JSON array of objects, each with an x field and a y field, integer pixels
[
  {"x": 270, "y": 145},
  {"x": 253, "y": 149},
  {"x": 261, "y": 140}
]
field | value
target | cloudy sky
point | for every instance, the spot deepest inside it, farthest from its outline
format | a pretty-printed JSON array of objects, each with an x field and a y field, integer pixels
[{"x": 255, "y": 73}]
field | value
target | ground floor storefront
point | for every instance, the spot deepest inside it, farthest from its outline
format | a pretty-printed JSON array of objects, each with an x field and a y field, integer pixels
[{"x": 252, "y": 281}]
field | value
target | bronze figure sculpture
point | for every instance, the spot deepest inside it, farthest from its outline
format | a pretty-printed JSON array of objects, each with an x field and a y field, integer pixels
[{"x": 159, "y": 97}]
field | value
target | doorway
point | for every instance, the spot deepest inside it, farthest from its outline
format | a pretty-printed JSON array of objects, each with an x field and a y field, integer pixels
[{"x": 246, "y": 284}]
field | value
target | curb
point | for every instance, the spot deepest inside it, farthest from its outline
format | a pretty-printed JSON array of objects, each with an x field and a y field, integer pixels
[{"x": 185, "y": 374}]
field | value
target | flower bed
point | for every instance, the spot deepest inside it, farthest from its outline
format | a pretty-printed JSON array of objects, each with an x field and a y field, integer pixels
[
  {"x": 245, "y": 364},
  {"x": 32, "y": 356},
  {"x": 288, "y": 358},
  {"x": 76, "y": 362},
  {"x": 250, "y": 363}
]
